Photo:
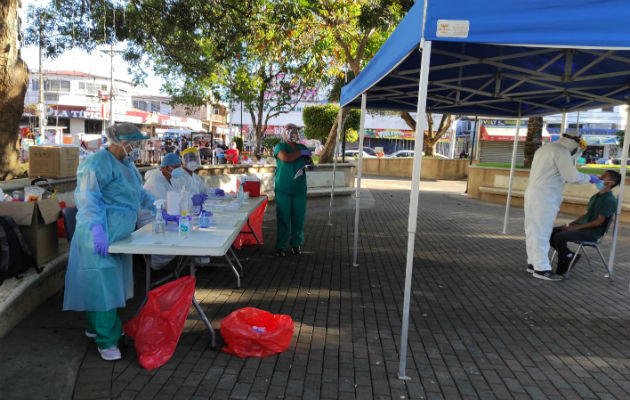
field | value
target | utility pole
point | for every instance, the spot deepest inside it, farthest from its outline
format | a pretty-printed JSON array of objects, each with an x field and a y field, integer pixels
[
  {"x": 42, "y": 105},
  {"x": 111, "y": 52},
  {"x": 111, "y": 84}
]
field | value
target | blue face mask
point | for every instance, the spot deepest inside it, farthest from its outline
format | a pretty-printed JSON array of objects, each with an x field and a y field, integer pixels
[
  {"x": 177, "y": 173},
  {"x": 600, "y": 185}
]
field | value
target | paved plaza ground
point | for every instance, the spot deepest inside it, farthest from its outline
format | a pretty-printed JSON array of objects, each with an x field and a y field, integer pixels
[{"x": 480, "y": 327}]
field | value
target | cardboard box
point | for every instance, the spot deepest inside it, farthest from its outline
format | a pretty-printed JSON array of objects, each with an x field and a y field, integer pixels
[
  {"x": 53, "y": 161},
  {"x": 38, "y": 223}
]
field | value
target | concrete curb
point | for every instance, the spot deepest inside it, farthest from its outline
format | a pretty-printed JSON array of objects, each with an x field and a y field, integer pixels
[{"x": 19, "y": 297}]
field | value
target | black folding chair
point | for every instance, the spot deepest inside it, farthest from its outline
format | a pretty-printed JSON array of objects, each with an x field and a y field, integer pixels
[{"x": 594, "y": 244}]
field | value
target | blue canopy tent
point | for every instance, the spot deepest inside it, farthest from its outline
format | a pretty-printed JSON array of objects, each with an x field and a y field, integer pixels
[{"x": 495, "y": 59}]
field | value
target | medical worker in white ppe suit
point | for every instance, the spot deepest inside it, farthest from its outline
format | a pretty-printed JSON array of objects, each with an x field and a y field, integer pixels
[{"x": 553, "y": 165}]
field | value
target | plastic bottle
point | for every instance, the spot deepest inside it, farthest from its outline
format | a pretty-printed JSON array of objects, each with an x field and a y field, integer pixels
[
  {"x": 241, "y": 193},
  {"x": 206, "y": 220},
  {"x": 184, "y": 224},
  {"x": 159, "y": 226}
]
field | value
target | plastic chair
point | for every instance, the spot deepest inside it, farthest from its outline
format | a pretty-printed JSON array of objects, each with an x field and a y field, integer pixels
[
  {"x": 595, "y": 244},
  {"x": 69, "y": 221}
]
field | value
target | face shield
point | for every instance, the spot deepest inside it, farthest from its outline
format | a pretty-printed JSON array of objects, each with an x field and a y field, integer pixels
[
  {"x": 291, "y": 133},
  {"x": 190, "y": 158},
  {"x": 127, "y": 132},
  {"x": 579, "y": 143}
]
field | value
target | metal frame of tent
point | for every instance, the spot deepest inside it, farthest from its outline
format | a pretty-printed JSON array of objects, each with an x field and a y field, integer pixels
[{"x": 495, "y": 82}]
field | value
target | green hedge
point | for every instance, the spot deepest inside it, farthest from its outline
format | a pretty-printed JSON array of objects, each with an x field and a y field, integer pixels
[{"x": 319, "y": 119}]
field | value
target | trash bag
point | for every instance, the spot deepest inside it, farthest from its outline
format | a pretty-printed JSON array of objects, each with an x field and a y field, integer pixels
[
  {"x": 160, "y": 323},
  {"x": 256, "y": 220},
  {"x": 250, "y": 332}
]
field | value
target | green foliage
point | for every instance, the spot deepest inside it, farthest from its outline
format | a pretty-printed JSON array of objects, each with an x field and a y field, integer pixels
[
  {"x": 239, "y": 143},
  {"x": 620, "y": 135},
  {"x": 271, "y": 141},
  {"x": 318, "y": 120}
]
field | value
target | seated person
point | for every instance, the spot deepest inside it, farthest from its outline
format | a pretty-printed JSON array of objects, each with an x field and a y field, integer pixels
[
  {"x": 590, "y": 226},
  {"x": 231, "y": 155},
  {"x": 158, "y": 182},
  {"x": 186, "y": 178}
]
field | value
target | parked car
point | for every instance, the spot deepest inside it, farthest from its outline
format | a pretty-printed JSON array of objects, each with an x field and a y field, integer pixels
[
  {"x": 400, "y": 154},
  {"x": 367, "y": 153}
]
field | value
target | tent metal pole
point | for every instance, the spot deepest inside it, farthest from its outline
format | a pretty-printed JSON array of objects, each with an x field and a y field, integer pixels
[
  {"x": 334, "y": 175},
  {"x": 563, "y": 127},
  {"x": 421, "y": 125},
  {"x": 509, "y": 194},
  {"x": 359, "y": 167},
  {"x": 622, "y": 170}
]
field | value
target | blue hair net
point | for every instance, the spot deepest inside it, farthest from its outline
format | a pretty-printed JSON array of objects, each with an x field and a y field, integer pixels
[{"x": 170, "y": 159}]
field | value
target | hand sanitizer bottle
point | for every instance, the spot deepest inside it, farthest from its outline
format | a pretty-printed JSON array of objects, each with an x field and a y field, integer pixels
[{"x": 159, "y": 226}]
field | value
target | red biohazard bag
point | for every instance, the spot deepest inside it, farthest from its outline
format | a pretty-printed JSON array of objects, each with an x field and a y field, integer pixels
[
  {"x": 160, "y": 323},
  {"x": 256, "y": 220},
  {"x": 250, "y": 332}
]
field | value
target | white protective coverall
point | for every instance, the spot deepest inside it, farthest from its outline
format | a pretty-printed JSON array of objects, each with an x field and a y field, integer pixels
[
  {"x": 156, "y": 184},
  {"x": 193, "y": 184},
  {"x": 551, "y": 168}
]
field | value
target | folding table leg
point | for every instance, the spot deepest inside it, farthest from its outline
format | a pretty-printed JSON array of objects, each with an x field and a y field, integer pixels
[
  {"x": 238, "y": 277},
  {"x": 147, "y": 282},
  {"x": 254, "y": 233},
  {"x": 200, "y": 311},
  {"x": 238, "y": 262}
]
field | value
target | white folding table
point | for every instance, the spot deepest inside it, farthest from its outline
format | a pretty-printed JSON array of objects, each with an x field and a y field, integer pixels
[{"x": 215, "y": 242}]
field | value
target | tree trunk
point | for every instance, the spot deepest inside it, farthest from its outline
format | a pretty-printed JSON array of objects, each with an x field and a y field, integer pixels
[
  {"x": 533, "y": 140},
  {"x": 326, "y": 155},
  {"x": 13, "y": 84}
]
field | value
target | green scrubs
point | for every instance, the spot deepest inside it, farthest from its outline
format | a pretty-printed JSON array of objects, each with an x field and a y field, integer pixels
[
  {"x": 290, "y": 198},
  {"x": 107, "y": 327},
  {"x": 600, "y": 204}
]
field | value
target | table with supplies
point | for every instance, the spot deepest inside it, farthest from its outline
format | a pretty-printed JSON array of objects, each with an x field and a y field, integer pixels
[{"x": 230, "y": 217}]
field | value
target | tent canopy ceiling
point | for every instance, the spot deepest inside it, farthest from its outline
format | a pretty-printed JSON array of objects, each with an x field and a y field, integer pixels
[{"x": 542, "y": 57}]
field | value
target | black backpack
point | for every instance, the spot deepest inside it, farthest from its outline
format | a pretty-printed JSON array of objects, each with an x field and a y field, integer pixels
[{"x": 15, "y": 255}]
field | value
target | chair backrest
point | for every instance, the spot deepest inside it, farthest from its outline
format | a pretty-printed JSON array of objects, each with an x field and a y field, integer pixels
[
  {"x": 607, "y": 225},
  {"x": 69, "y": 221}
]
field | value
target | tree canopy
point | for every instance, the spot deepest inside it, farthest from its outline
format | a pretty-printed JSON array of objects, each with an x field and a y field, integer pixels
[{"x": 319, "y": 119}]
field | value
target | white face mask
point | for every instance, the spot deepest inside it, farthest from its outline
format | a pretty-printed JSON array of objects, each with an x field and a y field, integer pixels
[
  {"x": 131, "y": 156},
  {"x": 193, "y": 165}
]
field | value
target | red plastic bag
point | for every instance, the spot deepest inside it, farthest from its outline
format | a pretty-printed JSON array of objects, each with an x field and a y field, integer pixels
[
  {"x": 160, "y": 323},
  {"x": 250, "y": 332},
  {"x": 256, "y": 220}
]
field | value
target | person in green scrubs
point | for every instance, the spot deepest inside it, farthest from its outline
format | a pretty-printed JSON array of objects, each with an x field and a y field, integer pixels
[{"x": 290, "y": 191}]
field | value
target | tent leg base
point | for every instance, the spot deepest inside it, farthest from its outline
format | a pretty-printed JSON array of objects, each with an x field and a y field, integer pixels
[{"x": 404, "y": 377}]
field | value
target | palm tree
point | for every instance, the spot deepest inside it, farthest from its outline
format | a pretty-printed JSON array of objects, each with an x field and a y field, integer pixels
[{"x": 533, "y": 140}]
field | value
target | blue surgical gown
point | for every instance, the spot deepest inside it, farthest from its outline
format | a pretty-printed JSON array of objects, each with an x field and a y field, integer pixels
[{"x": 109, "y": 192}]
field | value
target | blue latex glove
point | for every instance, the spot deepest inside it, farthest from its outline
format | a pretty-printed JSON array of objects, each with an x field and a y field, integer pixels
[
  {"x": 100, "y": 240},
  {"x": 594, "y": 179},
  {"x": 168, "y": 217},
  {"x": 310, "y": 167},
  {"x": 306, "y": 153},
  {"x": 219, "y": 192},
  {"x": 198, "y": 199}
]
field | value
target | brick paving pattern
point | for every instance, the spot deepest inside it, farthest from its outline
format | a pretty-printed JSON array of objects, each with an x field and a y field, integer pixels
[{"x": 480, "y": 326}]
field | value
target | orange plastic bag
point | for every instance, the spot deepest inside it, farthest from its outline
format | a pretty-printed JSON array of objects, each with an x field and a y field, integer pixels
[
  {"x": 160, "y": 323},
  {"x": 256, "y": 220},
  {"x": 250, "y": 332}
]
